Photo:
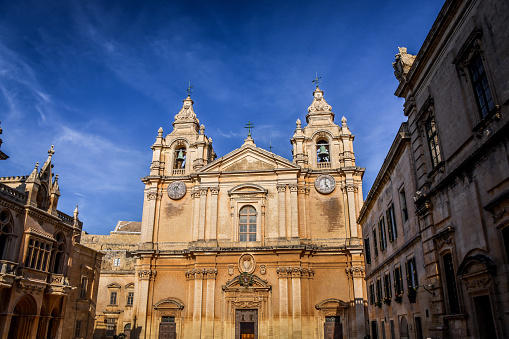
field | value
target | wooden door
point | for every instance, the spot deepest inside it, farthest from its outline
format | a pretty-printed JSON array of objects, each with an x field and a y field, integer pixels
[
  {"x": 333, "y": 330},
  {"x": 167, "y": 330},
  {"x": 246, "y": 324}
]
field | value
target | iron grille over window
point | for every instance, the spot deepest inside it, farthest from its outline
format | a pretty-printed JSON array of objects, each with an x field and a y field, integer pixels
[
  {"x": 247, "y": 224},
  {"x": 481, "y": 87}
]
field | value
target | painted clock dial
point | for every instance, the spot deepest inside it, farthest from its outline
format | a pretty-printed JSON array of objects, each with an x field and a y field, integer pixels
[
  {"x": 325, "y": 184},
  {"x": 176, "y": 190}
]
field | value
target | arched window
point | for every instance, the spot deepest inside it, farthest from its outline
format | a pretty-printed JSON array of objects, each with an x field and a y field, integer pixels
[
  {"x": 322, "y": 151},
  {"x": 180, "y": 158},
  {"x": 247, "y": 224},
  {"x": 6, "y": 233},
  {"x": 59, "y": 254},
  {"x": 42, "y": 198}
]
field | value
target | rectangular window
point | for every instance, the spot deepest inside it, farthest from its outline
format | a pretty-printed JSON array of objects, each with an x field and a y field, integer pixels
[
  {"x": 378, "y": 290},
  {"x": 391, "y": 223},
  {"x": 402, "y": 202},
  {"x": 381, "y": 233},
  {"x": 130, "y": 298},
  {"x": 77, "y": 329},
  {"x": 38, "y": 254},
  {"x": 482, "y": 90},
  {"x": 116, "y": 262},
  {"x": 432, "y": 136},
  {"x": 113, "y": 298},
  {"x": 375, "y": 248},
  {"x": 367, "y": 251},
  {"x": 411, "y": 274},
  {"x": 398, "y": 282},
  {"x": 387, "y": 286},
  {"x": 83, "y": 289},
  {"x": 450, "y": 278},
  {"x": 371, "y": 294}
]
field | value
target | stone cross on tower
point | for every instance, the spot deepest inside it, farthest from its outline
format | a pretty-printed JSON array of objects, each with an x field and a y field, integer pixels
[
  {"x": 189, "y": 90},
  {"x": 317, "y": 80},
  {"x": 249, "y": 126}
]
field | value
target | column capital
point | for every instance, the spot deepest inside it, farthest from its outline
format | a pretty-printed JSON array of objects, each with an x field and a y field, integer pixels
[{"x": 281, "y": 188}]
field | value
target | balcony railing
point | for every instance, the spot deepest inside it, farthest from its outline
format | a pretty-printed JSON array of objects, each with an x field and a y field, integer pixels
[
  {"x": 12, "y": 193},
  {"x": 7, "y": 267},
  {"x": 323, "y": 165},
  {"x": 179, "y": 171}
]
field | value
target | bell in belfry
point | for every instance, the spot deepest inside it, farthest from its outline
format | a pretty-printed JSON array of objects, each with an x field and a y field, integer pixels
[
  {"x": 323, "y": 154},
  {"x": 180, "y": 156}
]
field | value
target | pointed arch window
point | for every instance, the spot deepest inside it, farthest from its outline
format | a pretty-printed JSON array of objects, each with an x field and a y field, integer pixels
[
  {"x": 247, "y": 224},
  {"x": 6, "y": 233},
  {"x": 59, "y": 254}
]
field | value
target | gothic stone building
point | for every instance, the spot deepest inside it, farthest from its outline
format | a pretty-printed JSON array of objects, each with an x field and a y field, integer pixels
[
  {"x": 436, "y": 222},
  {"x": 251, "y": 244},
  {"x": 48, "y": 280}
]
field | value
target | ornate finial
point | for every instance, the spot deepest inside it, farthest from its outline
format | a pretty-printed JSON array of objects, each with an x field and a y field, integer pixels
[
  {"x": 249, "y": 126},
  {"x": 51, "y": 151},
  {"x": 202, "y": 129},
  {"x": 0, "y": 128},
  {"x": 56, "y": 178},
  {"x": 317, "y": 80},
  {"x": 160, "y": 132},
  {"x": 189, "y": 90},
  {"x": 76, "y": 212},
  {"x": 270, "y": 146},
  {"x": 298, "y": 123},
  {"x": 37, "y": 165},
  {"x": 343, "y": 121}
]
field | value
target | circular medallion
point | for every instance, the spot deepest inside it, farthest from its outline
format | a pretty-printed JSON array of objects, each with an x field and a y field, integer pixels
[
  {"x": 247, "y": 263},
  {"x": 325, "y": 184},
  {"x": 176, "y": 190}
]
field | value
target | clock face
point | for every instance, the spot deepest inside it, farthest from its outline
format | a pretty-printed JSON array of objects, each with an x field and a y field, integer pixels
[
  {"x": 176, "y": 190},
  {"x": 325, "y": 184}
]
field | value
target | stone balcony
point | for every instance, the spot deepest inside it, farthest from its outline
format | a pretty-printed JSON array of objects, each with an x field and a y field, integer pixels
[
  {"x": 7, "y": 273},
  {"x": 58, "y": 284}
]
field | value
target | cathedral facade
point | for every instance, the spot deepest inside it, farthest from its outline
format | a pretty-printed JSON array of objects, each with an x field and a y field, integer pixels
[{"x": 251, "y": 245}]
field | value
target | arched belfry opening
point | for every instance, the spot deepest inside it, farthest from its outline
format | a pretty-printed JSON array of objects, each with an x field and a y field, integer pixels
[
  {"x": 180, "y": 158},
  {"x": 322, "y": 151}
]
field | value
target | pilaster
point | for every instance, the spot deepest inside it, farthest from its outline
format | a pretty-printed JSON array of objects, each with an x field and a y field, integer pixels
[
  {"x": 294, "y": 220},
  {"x": 213, "y": 212},
  {"x": 281, "y": 189},
  {"x": 202, "y": 213}
]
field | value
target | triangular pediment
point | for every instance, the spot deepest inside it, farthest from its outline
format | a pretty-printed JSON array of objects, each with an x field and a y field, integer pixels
[{"x": 248, "y": 158}]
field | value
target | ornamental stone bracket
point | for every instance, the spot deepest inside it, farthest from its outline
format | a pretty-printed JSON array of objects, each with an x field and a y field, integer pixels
[
  {"x": 32, "y": 287},
  {"x": 147, "y": 274},
  {"x": 153, "y": 194},
  {"x": 201, "y": 273},
  {"x": 295, "y": 272},
  {"x": 355, "y": 271}
]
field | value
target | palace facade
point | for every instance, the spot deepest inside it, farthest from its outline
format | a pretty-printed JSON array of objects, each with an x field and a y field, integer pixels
[{"x": 436, "y": 221}]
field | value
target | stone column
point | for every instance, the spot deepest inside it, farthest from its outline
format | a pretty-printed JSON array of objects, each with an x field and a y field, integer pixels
[
  {"x": 281, "y": 189},
  {"x": 196, "y": 214},
  {"x": 202, "y": 213},
  {"x": 198, "y": 295},
  {"x": 296, "y": 302},
  {"x": 144, "y": 277},
  {"x": 210, "y": 275},
  {"x": 283, "y": 273},
  {"x": 213, "y": 213},
  {"x": 295, "y": 211}
]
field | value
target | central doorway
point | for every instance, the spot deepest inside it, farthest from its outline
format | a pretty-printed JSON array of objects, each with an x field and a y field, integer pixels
[{"x": 246, "y": 324}]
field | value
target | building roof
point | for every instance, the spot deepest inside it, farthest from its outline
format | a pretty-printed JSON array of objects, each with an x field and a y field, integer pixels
[{"x": 128, "y": 227}]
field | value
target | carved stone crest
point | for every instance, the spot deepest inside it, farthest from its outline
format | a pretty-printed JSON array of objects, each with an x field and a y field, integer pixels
[
  {"x": 263, "y": 269},
  {"x": 247, "y": 263}
]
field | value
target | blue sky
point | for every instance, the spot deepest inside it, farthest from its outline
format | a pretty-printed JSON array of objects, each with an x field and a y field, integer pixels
[{"x": 98, "y": 78}]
